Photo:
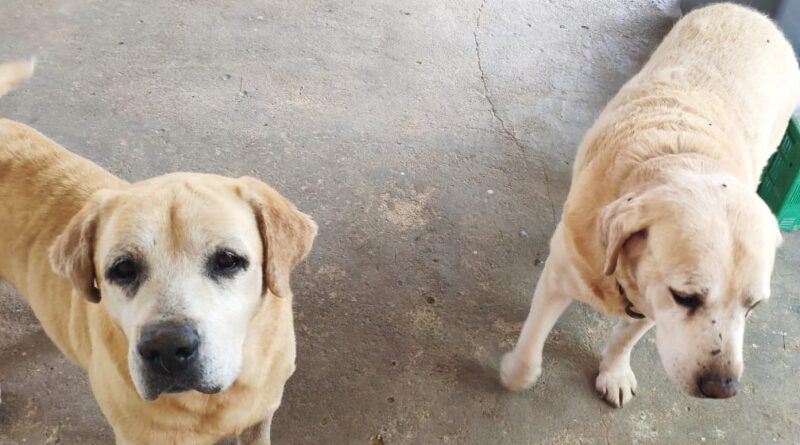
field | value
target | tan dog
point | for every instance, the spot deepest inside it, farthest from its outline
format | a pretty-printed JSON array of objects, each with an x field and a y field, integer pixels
[
  {"x": 662, "y": 219},
  {"x": 176, "y": 299}
]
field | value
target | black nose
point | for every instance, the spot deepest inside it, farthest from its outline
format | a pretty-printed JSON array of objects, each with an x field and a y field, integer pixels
[
  {"x": 170, "y": 347},
  {"x": 717, "y": 387}
]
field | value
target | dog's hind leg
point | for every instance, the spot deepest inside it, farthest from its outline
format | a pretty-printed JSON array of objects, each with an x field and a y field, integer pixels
[{"x": 616, "y": 382}]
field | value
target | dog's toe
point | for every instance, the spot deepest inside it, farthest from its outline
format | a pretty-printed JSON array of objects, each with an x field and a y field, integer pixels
[
  {"x": 616, "y": 386},
  {"x": 516, "y": 374}
]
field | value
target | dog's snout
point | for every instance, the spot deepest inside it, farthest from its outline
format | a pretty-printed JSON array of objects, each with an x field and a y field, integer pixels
[
  {"x": 717, "y": 387},
  {"x": 169, "y": 348}
]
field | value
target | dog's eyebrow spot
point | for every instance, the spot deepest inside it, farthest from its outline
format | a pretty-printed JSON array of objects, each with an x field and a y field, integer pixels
[{"x": 238, "y": 191}]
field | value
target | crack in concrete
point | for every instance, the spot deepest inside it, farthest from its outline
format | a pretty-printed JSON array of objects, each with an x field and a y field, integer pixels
[
  {"x": 549, "y": 196},
  {"x": 486, "y": 94},
  {"x": 493, "y": 109}
]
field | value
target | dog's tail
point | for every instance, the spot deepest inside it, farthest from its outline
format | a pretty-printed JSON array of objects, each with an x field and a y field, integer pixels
[{"x": 14, "y": 73}]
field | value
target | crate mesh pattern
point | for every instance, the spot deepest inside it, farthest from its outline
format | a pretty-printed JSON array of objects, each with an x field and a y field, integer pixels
[{"x": 780, "y": 182}]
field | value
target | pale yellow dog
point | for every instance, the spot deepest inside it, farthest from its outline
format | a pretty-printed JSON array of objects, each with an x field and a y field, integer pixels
[
  {"x": 662, "y": 224},
  {"x": 171, "y": 293}
]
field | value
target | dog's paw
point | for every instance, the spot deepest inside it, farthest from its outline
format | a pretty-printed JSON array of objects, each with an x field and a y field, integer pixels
[
  {"x": 517, "y": 375},
  {"x": 616, "y": 384}
]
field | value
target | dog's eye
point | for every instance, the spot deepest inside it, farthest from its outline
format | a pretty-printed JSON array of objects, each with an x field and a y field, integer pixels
[
  {"x": 123, "y": 271},
  {"x": 226, "y": 263},
  {"x": 750, "y": 309},
  {"x": 690, "y": 301}
]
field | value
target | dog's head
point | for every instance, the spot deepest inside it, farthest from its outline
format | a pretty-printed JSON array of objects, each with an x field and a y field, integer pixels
[
  {"x": 695, "y": 255},
  {"x": 182, "y": 263}
]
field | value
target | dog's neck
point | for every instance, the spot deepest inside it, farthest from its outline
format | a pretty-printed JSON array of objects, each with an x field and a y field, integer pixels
[{"x": 662, "y": 169}]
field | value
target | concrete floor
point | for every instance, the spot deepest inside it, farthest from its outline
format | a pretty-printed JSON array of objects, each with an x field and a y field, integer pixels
[{"x": 432, "y": 141}]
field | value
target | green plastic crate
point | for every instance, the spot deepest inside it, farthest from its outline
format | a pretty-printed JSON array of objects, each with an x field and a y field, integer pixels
[{"x": 780, "y": 182}]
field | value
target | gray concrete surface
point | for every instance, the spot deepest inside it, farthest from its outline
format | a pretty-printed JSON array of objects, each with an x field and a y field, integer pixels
[{"x": 432, "y": 141}]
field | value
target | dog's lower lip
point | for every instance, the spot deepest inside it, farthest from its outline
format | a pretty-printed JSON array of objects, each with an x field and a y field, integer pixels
[
  {"x": 212, "y": 390},
  {"x": 175, "y": 389}
]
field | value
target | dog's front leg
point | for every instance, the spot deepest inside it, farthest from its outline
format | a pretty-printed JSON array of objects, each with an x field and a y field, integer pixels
[
  {"x": 521, "y": 367},
  {"x": 257, "y": 434},
  {"x": 616, "y": 382}
]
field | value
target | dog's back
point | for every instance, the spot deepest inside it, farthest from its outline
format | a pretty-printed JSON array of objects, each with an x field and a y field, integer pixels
[
  {"x": 42, "y": 186},
  {"x": 726, "y": 74}
]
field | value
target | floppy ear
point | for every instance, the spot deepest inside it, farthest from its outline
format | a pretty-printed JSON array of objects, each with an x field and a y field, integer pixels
[
  {"x": 286, "y": 234},
  {"x": 72, "y": 253},
  {"x": 618, "y": 221}
]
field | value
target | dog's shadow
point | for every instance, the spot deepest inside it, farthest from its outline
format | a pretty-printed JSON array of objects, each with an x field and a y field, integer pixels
[{"x": 564, "y": 356}]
